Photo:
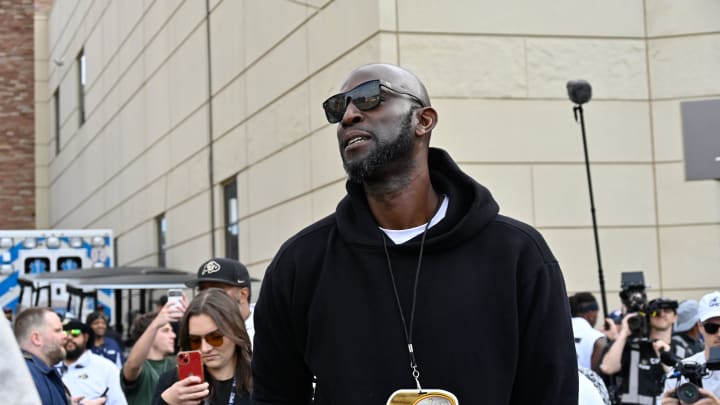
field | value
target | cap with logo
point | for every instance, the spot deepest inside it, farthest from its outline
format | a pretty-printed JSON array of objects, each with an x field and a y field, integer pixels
[
  {"x": 709, "y": 306},
  {"x": 222, "y": 270},
  {"x": 687, "y": 316}
]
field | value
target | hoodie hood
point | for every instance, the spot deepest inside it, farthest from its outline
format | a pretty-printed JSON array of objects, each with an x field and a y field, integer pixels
[{"x": 471, "y": 208}]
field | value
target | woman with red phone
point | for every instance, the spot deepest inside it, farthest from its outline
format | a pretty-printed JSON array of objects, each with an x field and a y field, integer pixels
[{"x": 214, "y": 362}]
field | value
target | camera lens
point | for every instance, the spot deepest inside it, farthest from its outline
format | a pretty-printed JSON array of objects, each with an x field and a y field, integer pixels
[{"x": 688, "y": 393}]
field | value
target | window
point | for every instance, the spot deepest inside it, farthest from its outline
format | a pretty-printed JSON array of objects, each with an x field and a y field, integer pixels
[
  {"x": 81, "y": 85},
  {"x": 56, "y": 102},
  {"x": 231, "y": 220},
  {"x": 162, "y": 240}
]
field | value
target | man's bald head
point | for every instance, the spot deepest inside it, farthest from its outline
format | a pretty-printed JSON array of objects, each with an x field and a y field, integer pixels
[{"x": 400, "y": 78}]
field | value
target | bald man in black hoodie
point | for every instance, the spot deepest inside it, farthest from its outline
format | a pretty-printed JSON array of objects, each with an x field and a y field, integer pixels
[{"x": 415, "y": 282}]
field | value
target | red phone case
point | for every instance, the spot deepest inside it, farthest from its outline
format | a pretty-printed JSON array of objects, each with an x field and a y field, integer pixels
[{"x": 190, "y": 363}]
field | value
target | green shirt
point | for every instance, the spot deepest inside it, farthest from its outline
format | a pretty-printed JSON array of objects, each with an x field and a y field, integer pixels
[{"x": 142, "y": 390}]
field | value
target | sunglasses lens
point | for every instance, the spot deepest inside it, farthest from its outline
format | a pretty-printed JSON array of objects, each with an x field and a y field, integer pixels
[
  {"x": 195, "y": 342},
  {"x": 334, "y": 108},
  {"x": 73, "y": 332},
  {"x": 711, "y": 328},
  {"x": 214, "y": 339},
  {"x": 365, "y": 97}
]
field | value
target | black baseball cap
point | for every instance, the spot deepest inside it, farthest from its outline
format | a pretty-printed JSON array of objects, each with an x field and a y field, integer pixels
[
  {"x": 222, "y": 270},
  {"x": 662, "y": 302}
]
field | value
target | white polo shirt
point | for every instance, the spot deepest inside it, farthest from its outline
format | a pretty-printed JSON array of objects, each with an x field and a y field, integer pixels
[
  {"x": 90, "y": 375},
  {"x": 585, "y": 338}
]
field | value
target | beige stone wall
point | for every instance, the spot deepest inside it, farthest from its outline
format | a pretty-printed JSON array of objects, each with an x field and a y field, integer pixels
[{"x": 496, "y": 72}]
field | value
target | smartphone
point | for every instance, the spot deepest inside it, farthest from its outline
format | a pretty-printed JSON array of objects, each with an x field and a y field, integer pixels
[
  {"x": 190, "y": 363},
  {"x": 175, "y": 296}
]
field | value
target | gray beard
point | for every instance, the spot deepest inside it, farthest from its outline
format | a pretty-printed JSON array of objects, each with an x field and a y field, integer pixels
[{"x": 369, "y": 168}]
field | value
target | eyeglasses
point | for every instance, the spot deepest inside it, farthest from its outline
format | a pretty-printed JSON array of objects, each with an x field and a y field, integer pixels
[
  {"x": 711, "y": 328},
  {"x": 365, "y": 96},
  {"x": 73, "y": 332},
  {"x": 214, "y": 339}
]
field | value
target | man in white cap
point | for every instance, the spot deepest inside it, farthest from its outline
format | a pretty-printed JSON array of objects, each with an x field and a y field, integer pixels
[
  {"x": 686, "y": 339},
  {"x": 709, "y": 321}
]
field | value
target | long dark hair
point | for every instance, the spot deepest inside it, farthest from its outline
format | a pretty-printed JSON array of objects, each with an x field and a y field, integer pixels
[{"x": 224, "y": 311}]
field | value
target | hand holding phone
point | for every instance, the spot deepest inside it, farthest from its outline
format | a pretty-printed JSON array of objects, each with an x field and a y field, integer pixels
[
  {"x": 174, "y": 296},
  {"x": 175, "y": 304},
  {"x": 190, "y": 363}
]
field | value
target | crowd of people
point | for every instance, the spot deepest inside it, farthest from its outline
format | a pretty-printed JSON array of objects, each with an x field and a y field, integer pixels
[
  {"x": 415, "y": 290},
  {"x": 654, "y": 350},
  {"x": 80, "y": 363}
]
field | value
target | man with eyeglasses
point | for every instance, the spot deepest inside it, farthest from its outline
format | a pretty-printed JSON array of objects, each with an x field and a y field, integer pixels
[
  {"x": 86, "y": 374},
  {"x": 709, "y": 321},
  {"x": 415, "y": 283}
]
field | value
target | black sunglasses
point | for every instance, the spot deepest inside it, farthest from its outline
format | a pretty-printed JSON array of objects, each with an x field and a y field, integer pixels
[
  {"x": 365, "y": 96},
  {"x": 711, "y": 328},
  {"x": 214, "y": 339}
]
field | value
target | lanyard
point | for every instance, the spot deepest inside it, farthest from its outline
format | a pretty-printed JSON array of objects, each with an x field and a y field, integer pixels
[
  {"x": 415, "y": 372},
  {"x": 231, "y": 399}
]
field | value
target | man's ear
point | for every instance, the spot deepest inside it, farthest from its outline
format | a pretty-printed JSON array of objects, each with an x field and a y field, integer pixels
[
  {"x": 36, "y": 339},
  {"x": 427, "y": 119}
]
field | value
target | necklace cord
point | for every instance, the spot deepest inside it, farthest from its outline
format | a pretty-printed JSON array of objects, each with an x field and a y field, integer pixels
[{"x": 408, "y": 331}]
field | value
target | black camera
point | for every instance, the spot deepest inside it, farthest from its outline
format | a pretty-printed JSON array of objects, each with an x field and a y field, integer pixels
[
  {"x": 688, "y": 392},
  {"x": 633, "y": 296}
]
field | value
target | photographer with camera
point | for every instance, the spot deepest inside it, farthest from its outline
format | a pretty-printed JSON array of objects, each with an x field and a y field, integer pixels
[
  {"x": 694, "y": 380},
  {"x": 633, "y": 360}
]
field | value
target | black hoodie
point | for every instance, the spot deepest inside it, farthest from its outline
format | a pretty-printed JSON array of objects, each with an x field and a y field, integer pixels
[{"x": 491, "y": 325}]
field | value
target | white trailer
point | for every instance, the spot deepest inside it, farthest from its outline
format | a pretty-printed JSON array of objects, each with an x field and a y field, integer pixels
[{"x": 30, "y": 252}]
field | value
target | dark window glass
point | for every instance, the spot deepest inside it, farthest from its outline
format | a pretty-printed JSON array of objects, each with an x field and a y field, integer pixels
[
  {"x": 56, "y": 106},
  {"x": 69, "y": 263},
  {"x": 37, "y": 265},
  {"x": 82, "y": 77},
  {"x": 162, "y": 241},
  {"x": 231, "y": 220}
]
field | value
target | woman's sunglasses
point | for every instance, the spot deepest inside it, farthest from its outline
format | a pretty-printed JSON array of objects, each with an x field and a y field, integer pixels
[
  {"x": 214, "y": 339},
  {"x": 365, "y": 96},
  {"x": 711, "y": 328}
]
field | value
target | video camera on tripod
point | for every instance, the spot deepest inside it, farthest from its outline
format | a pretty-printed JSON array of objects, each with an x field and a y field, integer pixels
[{"x": 688, "y": 391}]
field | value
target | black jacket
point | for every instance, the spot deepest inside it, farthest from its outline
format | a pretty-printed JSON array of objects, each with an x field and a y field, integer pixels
[{"x": 492, "y": 323}]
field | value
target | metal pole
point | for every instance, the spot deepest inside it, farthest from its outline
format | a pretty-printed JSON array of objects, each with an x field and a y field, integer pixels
[{"x": 578, "y": 110}]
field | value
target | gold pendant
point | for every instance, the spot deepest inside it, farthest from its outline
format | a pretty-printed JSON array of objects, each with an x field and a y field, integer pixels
[{"x": 424, "y": 397}]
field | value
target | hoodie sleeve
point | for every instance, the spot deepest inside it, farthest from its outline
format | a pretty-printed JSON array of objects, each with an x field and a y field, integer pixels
[
  {"x": 280, "y": 375},
  {"x": 547, "y": 365}
]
